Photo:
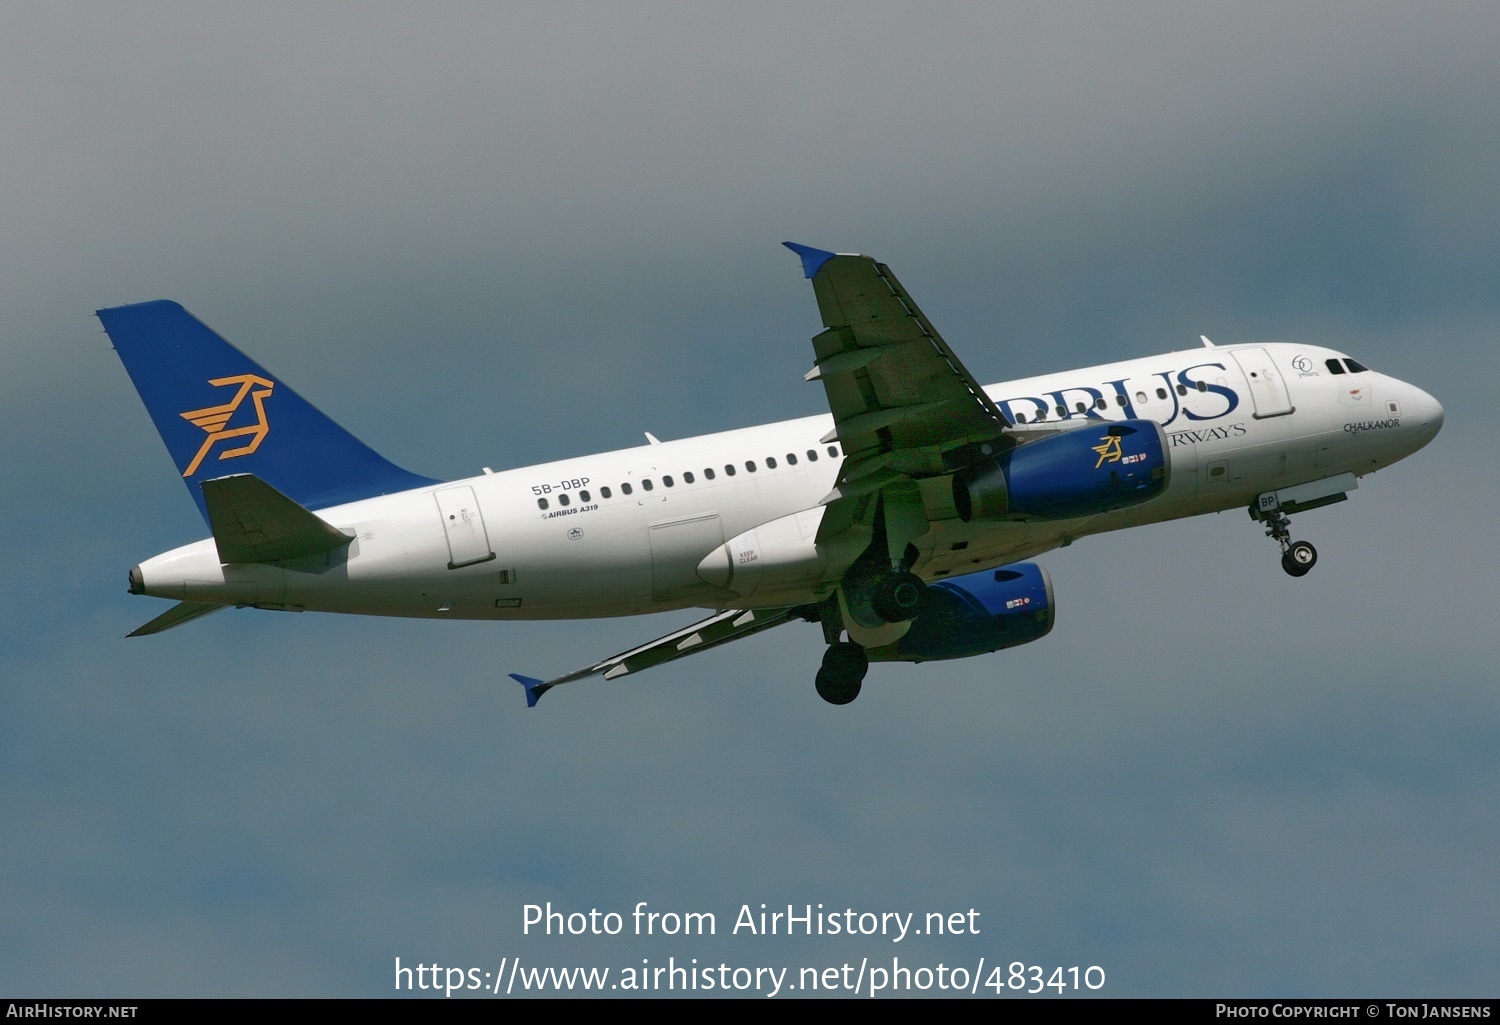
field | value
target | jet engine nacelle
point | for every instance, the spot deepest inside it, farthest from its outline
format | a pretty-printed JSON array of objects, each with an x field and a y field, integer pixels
[
  {"x": 976, "y": 613},
  {"x": 1083, "y": 472}
]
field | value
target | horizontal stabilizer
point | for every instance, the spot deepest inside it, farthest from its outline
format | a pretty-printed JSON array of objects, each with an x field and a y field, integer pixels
[
  {"x": 253, "y": 522},
  {"x": 182, "y": 612}
]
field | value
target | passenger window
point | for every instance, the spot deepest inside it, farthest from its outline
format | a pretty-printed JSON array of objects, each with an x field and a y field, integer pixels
[
  {"x": 750, "y": 465},
  {"x": 1182, "y": 389},
  {"x": 583, "y": 496},
  {"x": 667, "y": 479},
  {"x": 791, "y": 459},
  {"x": 708, "y": 473},
  {"x": 646, "y": 483},
  {"x": 833, "y": 451},
  {"x": 562, "y": 499},
  {"x": 812, "y": 456},
  {"x": 625, "y": 489},
  {"x": 541, "y": 503},
  {"x": 1100, "y": 404},
  {"x": 1079, "y": 406},
  {"x": 1020, "y": 418},
  {"x": 604, "y": 492},
  {"x": 1161, "y": 393},
  {"x": 1202, "y": 386},
  {"x": 687, "y": 477},
  {"x": 729, "y": 469},
  {"x": 1062, "y": 410},
  {"x": 770, "y": 462}
]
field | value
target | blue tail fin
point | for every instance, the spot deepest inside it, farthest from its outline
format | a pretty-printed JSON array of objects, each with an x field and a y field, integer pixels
[{"x": 221, "y": 413}]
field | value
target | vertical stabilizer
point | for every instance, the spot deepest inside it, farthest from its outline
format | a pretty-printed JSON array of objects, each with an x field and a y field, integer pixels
[{"x": 221, "y": 413}]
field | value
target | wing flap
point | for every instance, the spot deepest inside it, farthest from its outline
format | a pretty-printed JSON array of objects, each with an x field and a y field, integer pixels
[{"x": 846, "y": 361}]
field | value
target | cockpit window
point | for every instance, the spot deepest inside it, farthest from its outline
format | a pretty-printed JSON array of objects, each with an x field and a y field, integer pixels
[
  {"x": 1334, "y": 366},
  {"x": 1355, "y": 367}
]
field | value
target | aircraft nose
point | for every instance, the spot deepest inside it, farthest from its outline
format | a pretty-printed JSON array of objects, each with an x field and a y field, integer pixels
[
  {"x": 1430, "y": 410},
  {"x": 1425, "y": 416}
]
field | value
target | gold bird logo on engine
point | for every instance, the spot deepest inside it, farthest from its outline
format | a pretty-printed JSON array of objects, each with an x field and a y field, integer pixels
[{"x": 1110, "y": 451}]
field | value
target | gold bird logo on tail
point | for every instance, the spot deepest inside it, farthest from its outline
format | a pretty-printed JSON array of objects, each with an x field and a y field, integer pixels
[{"x": 214, "y": 419}]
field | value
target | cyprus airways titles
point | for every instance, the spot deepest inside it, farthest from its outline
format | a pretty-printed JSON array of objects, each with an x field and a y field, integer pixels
[{"x": 900, "y": 522}]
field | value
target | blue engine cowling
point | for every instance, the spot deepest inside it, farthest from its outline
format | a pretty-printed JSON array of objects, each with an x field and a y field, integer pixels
[
  {"x": 1083, "y": 472},
  {"x": 976, "y": 613}
]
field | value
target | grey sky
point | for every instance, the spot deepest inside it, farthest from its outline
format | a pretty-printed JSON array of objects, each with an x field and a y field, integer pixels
[{"x": 498, "y": 234}]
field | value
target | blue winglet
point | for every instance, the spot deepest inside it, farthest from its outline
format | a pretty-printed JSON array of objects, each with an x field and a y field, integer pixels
[
  {"x": 534, "y": 688},
  {"x": 812, "y": 259}
]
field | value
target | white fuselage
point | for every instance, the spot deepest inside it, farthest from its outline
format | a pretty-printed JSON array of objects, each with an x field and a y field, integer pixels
[{"x": 625, "y": 532}]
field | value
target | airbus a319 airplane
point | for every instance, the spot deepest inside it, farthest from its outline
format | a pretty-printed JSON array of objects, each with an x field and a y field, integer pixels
[{"x": 899, "y": 522}]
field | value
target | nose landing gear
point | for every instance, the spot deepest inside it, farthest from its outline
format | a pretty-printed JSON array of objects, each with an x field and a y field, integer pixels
[
  {"x": 1297, "y": 557},
  {"x": 1274, "y": 507}
]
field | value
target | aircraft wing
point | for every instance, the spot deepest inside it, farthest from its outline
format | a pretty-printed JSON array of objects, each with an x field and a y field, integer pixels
[
  {"x": 904, "y": 408},
  {"x": 721, "y": 628},
  {"x": 901, "y": 400}
]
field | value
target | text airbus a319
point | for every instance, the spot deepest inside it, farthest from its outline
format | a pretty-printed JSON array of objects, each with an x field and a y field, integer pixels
[{"x": 901, "y": 522}]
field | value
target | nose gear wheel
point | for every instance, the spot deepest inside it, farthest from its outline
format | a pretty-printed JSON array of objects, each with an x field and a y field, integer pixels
[{"x": 1297, "y": 557}]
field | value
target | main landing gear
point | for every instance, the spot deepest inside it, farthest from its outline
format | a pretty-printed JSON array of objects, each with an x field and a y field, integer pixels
[
  {"x": 874, "y": 603},
  {"x": 843, "y": 672},
  {"x": 898, "y": 596},
  {"x": 1297, "y": 557}
]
